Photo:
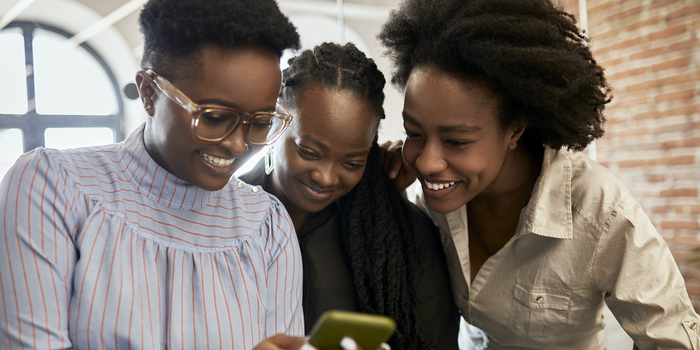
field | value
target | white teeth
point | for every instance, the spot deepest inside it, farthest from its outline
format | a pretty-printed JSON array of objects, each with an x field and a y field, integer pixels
[
  {"x": 216, "y": 160},
  {"x": 437, "y": 187}
]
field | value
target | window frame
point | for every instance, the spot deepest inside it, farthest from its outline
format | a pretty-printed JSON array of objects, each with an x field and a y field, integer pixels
[{"x": 34, "y": 125}]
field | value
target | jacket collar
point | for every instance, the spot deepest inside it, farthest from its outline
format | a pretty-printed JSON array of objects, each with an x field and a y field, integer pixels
[{"x": 549, "y": 211}]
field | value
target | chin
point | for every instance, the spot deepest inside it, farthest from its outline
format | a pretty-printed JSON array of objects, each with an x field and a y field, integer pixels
[
  {"x": 212, "y": 185},
  {"x": 441, "y": 206}
]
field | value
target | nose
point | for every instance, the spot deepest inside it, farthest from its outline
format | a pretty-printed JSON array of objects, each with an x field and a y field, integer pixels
[
  {"x": 325, "y": 175},
  {"x": 235, "y": 141},
  {"x": 430, "y": 159}
]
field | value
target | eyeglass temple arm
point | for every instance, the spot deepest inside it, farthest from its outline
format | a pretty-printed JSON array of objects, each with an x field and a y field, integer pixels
[{"x": 173, "y": 93}]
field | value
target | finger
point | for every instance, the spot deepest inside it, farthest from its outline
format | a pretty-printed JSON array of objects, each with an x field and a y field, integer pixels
[
  {"x": 384, "y": 346},
  {"x": 395, "y": 146},
  {"x": 348, "y": 343},
  {"x": 397, "y": 164},
  {"x": 282, "y": 341}
]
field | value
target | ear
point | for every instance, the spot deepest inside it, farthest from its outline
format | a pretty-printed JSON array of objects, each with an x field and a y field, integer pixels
[
  {"x": 516, "y": 130},
  {"x": 147, "y": 91}
]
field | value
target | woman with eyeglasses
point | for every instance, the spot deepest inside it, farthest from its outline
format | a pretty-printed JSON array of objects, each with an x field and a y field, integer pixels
[
  {"x": 149, "y": 243},
  {"x": 499, "y": 97},
  {"x": 364, "y": 247}
]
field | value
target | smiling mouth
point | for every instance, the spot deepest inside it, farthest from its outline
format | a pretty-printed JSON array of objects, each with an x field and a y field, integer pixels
[
  {"x": 316, "y": 193},
  {"x": 438, "y": 186},
  {"x": 216, "y": 161}
]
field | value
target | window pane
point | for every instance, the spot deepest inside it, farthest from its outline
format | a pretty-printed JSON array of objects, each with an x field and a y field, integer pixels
[
  {"x": 69, "y": 80},
  {"x": 13, "y": 85},
  {"x": 78, "y": 137},
  {"x": 11, "y": 146}
]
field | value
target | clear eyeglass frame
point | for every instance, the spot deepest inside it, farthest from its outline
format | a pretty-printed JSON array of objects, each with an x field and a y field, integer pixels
[{"x": 197, "y": 110}]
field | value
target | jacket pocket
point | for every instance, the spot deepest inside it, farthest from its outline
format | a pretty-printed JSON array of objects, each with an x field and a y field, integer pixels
[{"x": 538, "y": 310}]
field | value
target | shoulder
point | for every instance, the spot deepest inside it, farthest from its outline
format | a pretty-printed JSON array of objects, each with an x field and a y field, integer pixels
[
  {"x": 70, "y": 164},
  {"x": 256, "y": 175},
  {"x": 596, "y": 193},
  {"x": 423, "y": 226},
  {"x": 259, "y": 209}
]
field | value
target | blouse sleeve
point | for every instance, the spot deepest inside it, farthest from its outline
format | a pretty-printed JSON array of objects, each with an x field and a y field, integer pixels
[
  {"x": 643, "y": 286},
  {"x": 37, "y": 253},
  {"x": 284, "y": 275}
]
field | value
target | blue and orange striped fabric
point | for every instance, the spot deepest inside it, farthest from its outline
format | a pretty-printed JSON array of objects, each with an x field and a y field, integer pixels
[{"x": 101, "y": 248}]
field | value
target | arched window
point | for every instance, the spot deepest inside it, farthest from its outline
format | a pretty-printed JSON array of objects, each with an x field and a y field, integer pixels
[{"x": 54, "y": 94}]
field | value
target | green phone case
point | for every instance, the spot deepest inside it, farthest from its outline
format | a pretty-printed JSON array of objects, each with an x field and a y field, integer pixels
[{"x": 369, "y": 331}]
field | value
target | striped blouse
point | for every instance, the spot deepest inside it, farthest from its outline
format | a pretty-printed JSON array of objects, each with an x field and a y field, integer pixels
[{"x": 103, "y": 248}]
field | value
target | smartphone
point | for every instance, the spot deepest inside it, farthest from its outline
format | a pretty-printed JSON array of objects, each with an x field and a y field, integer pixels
[{"x": 369, "y": 331}]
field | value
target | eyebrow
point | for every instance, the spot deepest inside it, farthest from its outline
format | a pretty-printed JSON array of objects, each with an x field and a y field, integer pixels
[
  {"x": 324, "y": 147},
  {"x": 228, "y": 104},
  {"x": 445, "y": 128}
]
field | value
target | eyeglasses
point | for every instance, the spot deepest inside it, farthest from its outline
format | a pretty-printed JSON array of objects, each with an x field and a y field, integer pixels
[{"x": 213, "y": 123}]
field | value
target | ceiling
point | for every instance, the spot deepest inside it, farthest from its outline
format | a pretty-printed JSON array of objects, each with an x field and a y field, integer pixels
[{"x": 354, "y": 9}]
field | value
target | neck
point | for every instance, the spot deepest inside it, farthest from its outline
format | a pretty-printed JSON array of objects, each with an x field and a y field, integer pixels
[
  {"x": 499, "y": 209},
  {"x": 297, "y": 214}
]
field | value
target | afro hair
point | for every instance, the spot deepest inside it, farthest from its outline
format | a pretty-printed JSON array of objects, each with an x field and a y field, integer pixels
[{"x": 534, "y": 55}]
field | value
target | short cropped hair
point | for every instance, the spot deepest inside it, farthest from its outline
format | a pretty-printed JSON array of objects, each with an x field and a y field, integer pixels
[
  {"x": 175, "y": 30},
  {"x": 530, "y": 52}
]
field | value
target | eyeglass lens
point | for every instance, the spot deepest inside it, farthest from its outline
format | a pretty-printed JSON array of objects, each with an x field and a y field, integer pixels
[{"x": 215, "y": 125}]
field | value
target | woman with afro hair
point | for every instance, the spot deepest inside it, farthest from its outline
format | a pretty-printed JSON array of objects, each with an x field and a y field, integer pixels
[
  {"x": 499, "y": 97},
  {"x": 364, "y": 247}
]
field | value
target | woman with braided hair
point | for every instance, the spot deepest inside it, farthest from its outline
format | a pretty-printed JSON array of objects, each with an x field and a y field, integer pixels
[
  {"x": 364, "y": 247},
  {"x": 499, "y": 94}
]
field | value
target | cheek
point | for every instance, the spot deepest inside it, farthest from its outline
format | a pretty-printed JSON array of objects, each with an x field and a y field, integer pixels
[
  {"x": 289, "y": 162},
  {"x": 484, "y": 165},
  {"x": 350, "y": 181},
  {"x": 410, "y": 152},
  {"x": 355, "y": 179}
]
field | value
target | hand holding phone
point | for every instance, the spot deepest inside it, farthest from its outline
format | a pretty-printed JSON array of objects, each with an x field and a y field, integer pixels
[{"x": 368, "y": 331}]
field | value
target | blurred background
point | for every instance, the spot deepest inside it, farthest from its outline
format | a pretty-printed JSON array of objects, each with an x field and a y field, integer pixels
[{"x": 67, "y": 69}]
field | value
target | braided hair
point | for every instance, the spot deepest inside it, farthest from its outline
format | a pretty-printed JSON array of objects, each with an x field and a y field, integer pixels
[
  {"x": 378, "y": 240},
  {"x": 538, "y": 61}
]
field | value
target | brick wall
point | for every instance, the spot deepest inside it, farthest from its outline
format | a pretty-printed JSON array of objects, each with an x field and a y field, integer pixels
[{"x": 651, "y": 52}]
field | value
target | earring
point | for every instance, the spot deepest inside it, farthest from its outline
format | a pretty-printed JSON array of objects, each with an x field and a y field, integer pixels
[
  {"x": 269, "y": 165},
  {"x": 246, "y": 147},
  {"x": 148, "y": 107}
]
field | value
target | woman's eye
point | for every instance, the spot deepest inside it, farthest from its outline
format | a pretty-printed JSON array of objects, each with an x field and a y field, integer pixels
[
  {"x": 259, "y": 124},
  {"x": 214, "y": 118},
  {"x": 306, "y": 154},
  {"x": 354, "y": 165},
  {"x": 411, "y": 135},
  {"x": 264, "y": 122},
  {"x": 456, "y": 143}
]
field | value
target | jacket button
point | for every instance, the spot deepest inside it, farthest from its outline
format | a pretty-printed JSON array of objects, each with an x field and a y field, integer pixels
[
  {"x": 539, "y": 299},
  {"x": 693, "y": 325}
]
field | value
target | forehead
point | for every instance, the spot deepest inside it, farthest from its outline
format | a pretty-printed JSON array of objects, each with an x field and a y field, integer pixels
[
  {"x": 337, "y": 116},
  {"x": 438, "y": 97},
  {"x": 246, "y": 76}
]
